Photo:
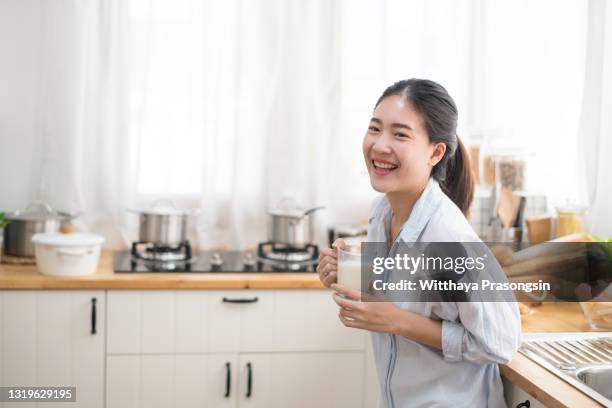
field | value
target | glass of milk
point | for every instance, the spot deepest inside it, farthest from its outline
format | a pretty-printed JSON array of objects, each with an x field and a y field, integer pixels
[{"x": 349, "y": 266}]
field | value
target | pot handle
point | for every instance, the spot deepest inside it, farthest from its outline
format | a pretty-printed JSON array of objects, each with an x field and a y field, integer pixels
[{"x": 308, "y": 212}]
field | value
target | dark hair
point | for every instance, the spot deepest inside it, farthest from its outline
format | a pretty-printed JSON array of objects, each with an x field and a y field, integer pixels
[{"x": 439, "y": 112}]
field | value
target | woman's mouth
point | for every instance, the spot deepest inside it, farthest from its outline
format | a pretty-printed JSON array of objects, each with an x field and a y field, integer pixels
[{"x": 382, "y": 168}]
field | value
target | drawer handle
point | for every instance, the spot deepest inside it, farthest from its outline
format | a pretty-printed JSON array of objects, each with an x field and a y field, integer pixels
[
  {"x": 525, "y": 404},
  {"x": 93, "y": 315},
  {"x": 249, "y": 380},
  {"x": 241, "y": 300},
  {"x": 228, "y": 379}
]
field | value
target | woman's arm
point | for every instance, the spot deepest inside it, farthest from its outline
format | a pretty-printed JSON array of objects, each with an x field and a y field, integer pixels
[
  {"x": 419, "y": 328},
  {"x": 487, "y": 332}
]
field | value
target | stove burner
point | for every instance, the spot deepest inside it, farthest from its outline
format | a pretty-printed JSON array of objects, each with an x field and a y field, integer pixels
[
  {"x": 283, "y": 257},
  {"x": 156, "y": 253}
]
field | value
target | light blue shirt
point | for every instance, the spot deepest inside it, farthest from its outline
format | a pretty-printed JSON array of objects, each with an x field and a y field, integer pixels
[{"x": 476, "y": 336}]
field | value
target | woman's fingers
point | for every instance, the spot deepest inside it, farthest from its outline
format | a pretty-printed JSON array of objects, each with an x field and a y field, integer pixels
[
  {"x": 346, "y": 303},
  {"x": 347, "y": 292},
  {"x": 350, "y": 323},
  {"x": 339, "y": 243},
  {"x": 327, "y": 271},
  {"x": 330, "y": 279}
]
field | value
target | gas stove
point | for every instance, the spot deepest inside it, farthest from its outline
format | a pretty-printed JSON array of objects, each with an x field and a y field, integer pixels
[{"x": 270, "y": 257}]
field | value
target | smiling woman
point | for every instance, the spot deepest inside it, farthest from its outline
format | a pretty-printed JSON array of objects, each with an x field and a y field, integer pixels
[{"x": 414, "y": 157}]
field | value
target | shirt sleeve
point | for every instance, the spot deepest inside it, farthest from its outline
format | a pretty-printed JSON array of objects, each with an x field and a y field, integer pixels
[{"x": 483, "y": 333}]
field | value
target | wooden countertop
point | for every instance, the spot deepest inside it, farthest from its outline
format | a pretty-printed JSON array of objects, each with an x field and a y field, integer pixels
[
  {"x": 534, "y": 379},
  {"x": 28, "y": 277}
]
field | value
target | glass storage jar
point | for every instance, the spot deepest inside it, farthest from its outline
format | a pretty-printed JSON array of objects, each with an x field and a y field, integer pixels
[{"x": 570, "y": 220}]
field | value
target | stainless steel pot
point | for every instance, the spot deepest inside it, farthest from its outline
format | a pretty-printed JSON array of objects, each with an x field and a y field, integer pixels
[
  {"x": 163, "y": 223},
  {"x": 291, "y": 226},
  {"x": 37, "y": 217}
]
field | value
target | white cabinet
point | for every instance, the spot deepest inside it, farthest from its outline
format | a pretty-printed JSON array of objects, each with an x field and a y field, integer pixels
[
  {"x": 517, "y": 397},
  {"x": 47, "y": 339},
  {"x": 170, "y": 380},
  {"x": 301, "y": 380},
  {"x": 175, "y": 347}
]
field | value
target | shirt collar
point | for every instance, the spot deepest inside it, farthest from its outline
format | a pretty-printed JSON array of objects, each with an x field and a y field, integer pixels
[{"x": 423, "y": 209}]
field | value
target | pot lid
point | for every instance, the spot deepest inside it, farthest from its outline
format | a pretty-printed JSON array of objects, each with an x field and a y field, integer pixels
[
  {"x": 74, "y": 239},
  {"x": 288, "y": 207},
  {"x": 36, "y": 211},
  {"x": 164, "y": 207}
]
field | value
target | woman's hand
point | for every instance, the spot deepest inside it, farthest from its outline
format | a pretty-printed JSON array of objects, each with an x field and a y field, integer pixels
[
  {"x": 374, "y": 316},
  {"x": 327, "y": 267},
  {"x": 385, "y": 317}
]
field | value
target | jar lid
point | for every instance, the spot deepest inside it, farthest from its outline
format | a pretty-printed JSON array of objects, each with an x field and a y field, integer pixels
[
  {"x": 571, "y": 209},
  {"x": 74, "y": 239}
]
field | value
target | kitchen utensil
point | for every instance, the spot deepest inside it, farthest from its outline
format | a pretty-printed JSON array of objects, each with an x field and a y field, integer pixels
[
  {"x": 506, "y": 210},
  {"x": 518, "y": 220},
  {"x": 289, "y": 224},
  {"x": 474, "y": 152},
  {"x": 67, "y": 254},
  {"x": 38, "y": 217},
  {"x": 164, "y": 223}
]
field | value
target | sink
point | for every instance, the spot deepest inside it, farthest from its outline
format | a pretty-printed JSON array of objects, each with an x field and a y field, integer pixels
[
  {"x": 582, "y": 359},
  {"x": 598, "y": 378}
]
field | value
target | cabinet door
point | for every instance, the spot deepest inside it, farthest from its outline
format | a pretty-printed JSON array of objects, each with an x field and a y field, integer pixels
[
  {"x": 167, "y": 380},
  {"x": 169, "y": 321},
  {"x": 333, "y": 380},
  {"x": 295, "y": 320},
  {"x": 515, "y": 396},
  {"x": 47, "y": 340}
]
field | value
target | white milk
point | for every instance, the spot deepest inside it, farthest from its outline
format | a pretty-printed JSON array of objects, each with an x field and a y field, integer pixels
[{"x": 349, "y": 273}]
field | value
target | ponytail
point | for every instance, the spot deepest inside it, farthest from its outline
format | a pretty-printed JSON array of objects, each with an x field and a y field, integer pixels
[{"x": 459, "y": 181}]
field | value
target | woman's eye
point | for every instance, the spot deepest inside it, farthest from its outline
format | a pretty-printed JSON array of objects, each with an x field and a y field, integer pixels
[
  {"x": 373, "y": 129},
  {"x": 402, "y": 135}
]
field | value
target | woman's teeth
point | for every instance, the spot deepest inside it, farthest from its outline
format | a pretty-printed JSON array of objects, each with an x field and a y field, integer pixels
[{"x": 386, "y": 166}]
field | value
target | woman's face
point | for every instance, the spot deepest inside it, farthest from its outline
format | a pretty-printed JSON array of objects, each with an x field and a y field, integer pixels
[{"x": 396, "y": 148}]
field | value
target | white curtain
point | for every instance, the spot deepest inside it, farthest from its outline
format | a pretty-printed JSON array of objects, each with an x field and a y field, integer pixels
[
  {"x": 82, "y": 153},
  {"x": 230, "y": 106},
  {"x": 596, "y": 120}
]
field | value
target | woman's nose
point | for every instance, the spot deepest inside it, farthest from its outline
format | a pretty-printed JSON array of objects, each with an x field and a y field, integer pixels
[{"x": 382, "y": 145}]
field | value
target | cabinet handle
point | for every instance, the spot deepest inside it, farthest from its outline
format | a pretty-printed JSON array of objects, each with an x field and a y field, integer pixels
[
  {"x": 241, "y": 300},
  {"x": 228, "y": 379},
  {"x": 525, "y": 404},
  {"x": 249, "y": 380},
  {"x": 93, "y": 315}
]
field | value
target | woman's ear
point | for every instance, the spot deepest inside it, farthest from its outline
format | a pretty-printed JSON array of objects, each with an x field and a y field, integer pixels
[{"x": 437, "y": 153}]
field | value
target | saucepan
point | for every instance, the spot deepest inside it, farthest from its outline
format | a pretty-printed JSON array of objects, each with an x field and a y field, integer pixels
[
  {"x": 289, "y": 224},
  {"x": 164, "y": 223},
  {"x": 38, "y": 217}
]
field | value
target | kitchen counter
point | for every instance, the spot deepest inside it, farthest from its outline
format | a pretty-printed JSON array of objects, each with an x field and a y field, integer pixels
[
  {"x": 28, "y": 277},
  {"x": 535, "y": 380}
]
